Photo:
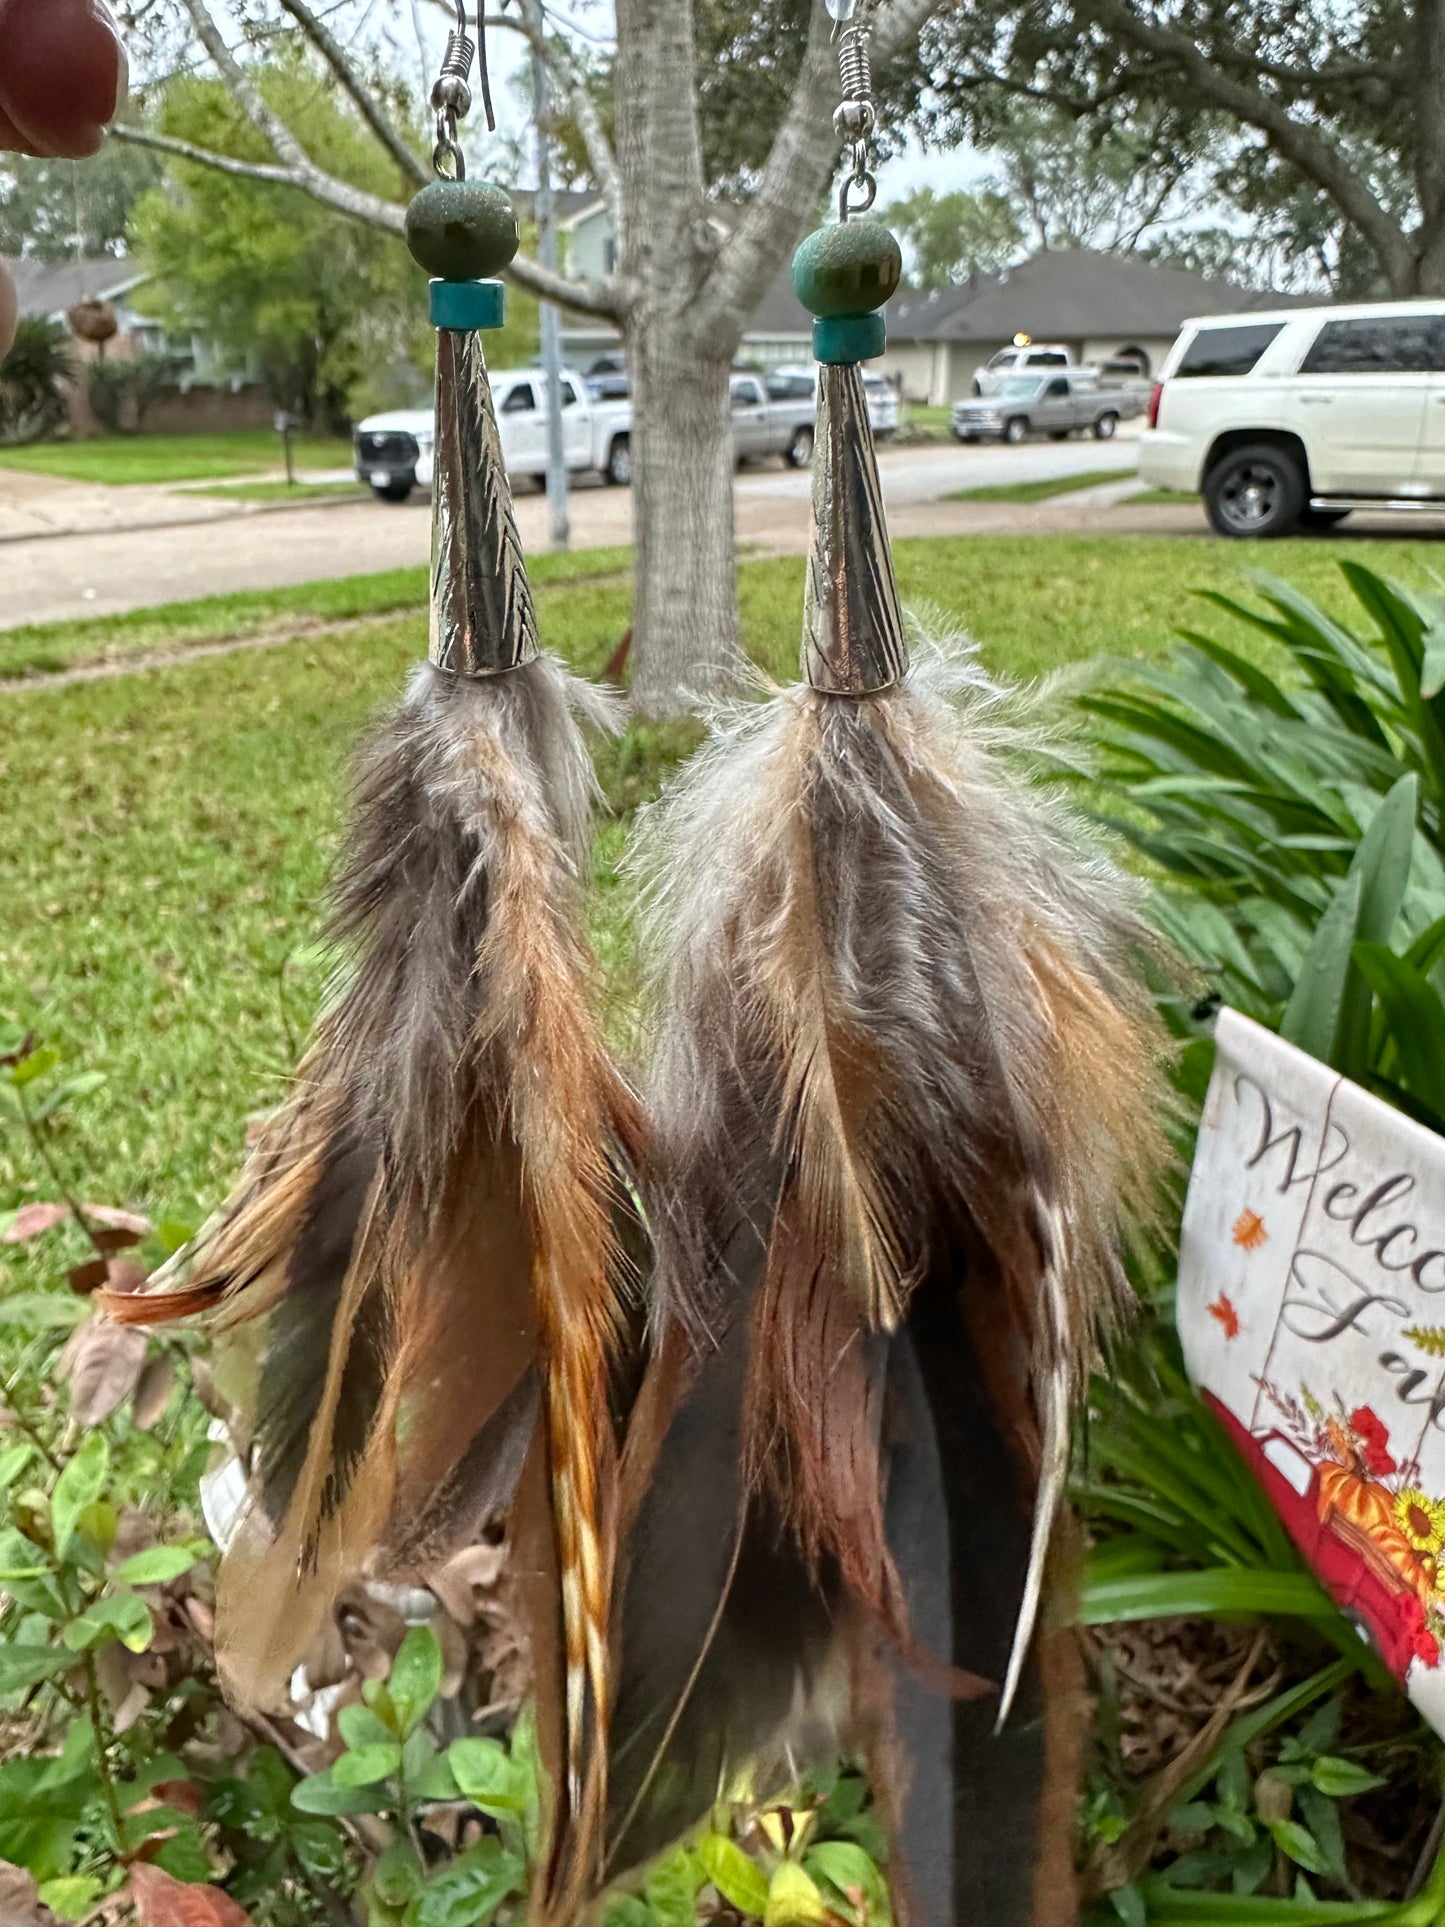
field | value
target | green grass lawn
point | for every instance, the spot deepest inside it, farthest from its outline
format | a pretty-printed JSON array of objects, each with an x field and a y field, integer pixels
[
  {"x": 301, "y": 493},
  {"x": 1041, "y": 491},
  {"x": 42, "y": 647},
  {"x": 123, "y": 459},
  {"x": 1163, "y": 498},
  {"x": 165, "y": 836},
  {"x": 924, "y": 423}
]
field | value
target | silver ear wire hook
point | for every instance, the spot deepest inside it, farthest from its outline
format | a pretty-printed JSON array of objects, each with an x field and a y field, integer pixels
[
  {"x": 856, "y": 116},
  {"x": 451, "y": 96}
]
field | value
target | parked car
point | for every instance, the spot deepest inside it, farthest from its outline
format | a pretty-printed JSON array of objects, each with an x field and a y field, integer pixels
[
  {"x": 1054, "y": 405},
  {"x": 1025, "y": 357},
  {"x": 1292, "y": 419},
  {"x": 394, "y": 451},
  {"x": 762, "y": 423},
  {"x": 801, "y": 384}
]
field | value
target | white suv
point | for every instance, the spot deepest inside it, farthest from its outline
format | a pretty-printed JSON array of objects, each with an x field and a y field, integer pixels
[{"x": 1292, "y": 419}]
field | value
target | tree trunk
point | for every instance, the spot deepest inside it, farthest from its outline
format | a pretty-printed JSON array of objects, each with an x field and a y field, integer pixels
[
  {"x": 685, "y": 620},
  {"x": 1429, "y": 239},
  {"x": 685, "y": 625}
]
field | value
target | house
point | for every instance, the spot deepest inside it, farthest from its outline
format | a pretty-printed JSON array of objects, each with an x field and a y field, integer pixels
[
  {"x": 780, "y": 331},
  {"x": 1102, "y": 306},
  {"x": 208, "y": 395}
]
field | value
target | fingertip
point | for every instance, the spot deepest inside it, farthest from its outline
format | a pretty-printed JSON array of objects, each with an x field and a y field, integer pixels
[{"x": 63, "y": 74}]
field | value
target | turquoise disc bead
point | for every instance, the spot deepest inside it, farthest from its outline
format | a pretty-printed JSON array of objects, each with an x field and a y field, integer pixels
[
  {"x": 468, "y": 305},
  {"x": 849, "y": 337}
]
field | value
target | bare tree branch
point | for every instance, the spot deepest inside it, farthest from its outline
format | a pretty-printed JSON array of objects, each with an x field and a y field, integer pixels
[
  {"x": 897, "y": 24},
  {"x": 1295, "y": 141},
  {"x": 556, "y": 55},
  {"x": 363, "y": 98},
  {"x": 321, "y": 187},
  {"x": 797, "y": 163},
  {"x": 245, "y": 92},
  {"x": 606, "y": 296}
]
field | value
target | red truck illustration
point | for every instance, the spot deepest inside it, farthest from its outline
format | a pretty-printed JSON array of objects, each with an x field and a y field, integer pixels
[{"x": 1344, "y": 1524}]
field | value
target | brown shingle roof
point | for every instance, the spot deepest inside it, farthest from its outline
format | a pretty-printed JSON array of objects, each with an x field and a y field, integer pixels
[
  {"x": 1066, "y": 293},
  {"x": 48, "y": 288}
]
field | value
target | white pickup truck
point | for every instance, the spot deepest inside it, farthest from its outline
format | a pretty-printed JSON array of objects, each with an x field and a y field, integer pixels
[
  {"x": 772, "y": 415},
  {"x": 394, "y": 451}
]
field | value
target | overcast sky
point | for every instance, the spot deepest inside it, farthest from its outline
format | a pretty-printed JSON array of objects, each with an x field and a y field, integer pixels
[{"x": 511, "y": 71}]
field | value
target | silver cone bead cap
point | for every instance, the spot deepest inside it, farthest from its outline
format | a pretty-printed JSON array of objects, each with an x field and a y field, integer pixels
[
  {"x": 853, "y": 642},
  {"x": 483, "y": 620}
]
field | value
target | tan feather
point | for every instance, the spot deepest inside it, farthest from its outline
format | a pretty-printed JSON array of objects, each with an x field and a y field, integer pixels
[
  {"x": 433, "y": 1211},
  {"x": 900, "y": 1001}
]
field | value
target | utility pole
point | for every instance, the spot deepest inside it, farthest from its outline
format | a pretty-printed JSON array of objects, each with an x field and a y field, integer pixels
[{"x": 546, "y": 210}]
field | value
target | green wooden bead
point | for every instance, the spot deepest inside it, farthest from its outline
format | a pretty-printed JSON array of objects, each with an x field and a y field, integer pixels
[
  {"x": 850, "y": 269},
  {"x": 462, "y": 230}
]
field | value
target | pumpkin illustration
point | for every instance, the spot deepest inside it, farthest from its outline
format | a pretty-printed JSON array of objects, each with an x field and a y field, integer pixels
[{"x": 1363, "y": 1503}]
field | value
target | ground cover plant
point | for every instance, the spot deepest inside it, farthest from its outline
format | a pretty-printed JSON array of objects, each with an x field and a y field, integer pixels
[
  {"x": 165, "y": 843},
  {"x": 121, "y": 460},
  {"x": 1043, "y": 490}
]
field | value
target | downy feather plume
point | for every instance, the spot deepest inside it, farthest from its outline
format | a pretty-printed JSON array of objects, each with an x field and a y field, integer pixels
[
  {"x": 429, "y": 1229},
  {"x": 907, "y": 1071}
]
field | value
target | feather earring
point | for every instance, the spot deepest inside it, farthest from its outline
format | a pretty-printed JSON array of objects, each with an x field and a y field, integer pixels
[
  {"x": 907, "y": 1086},
  {"x": 432, "y": 1232}
]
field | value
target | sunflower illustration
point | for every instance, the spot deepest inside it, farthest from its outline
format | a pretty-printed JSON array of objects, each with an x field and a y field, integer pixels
[{"x": 1421, "y": 1519}]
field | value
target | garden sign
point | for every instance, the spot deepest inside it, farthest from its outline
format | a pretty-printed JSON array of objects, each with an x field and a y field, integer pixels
[{"x": 1312, "y": 1311}]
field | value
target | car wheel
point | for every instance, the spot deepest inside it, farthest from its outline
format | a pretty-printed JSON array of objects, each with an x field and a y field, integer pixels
[
  {"x": 1322, "y": 518},
  {"x": 1015, "y": 429},
  {"x": 619, "y": 462},
  {"x": 391, "y": 491},
  {"x": 800, "y": 448},
  {"x": 1255, "y": 492},
  {"x": 1104, "y": 428}
]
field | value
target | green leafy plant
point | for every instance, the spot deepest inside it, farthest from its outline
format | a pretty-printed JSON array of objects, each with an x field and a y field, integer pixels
[
  {"x": 32, "y": 380},
  {"x": 122, "y": 390},
  {"x": 815, "y": 1859},
  {"x": 393, "y": 1767},
  {"x": 1288, "y": 803},
  {"x": 106, "y": 1667},
  {"x": 1293, "y": 817}
]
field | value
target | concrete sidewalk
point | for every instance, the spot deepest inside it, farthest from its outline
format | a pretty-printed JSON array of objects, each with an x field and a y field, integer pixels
[{"x": 44, "y": 507}]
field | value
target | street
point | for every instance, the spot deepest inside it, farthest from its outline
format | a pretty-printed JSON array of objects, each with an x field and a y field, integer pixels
[{"x": 99, "y": 562}]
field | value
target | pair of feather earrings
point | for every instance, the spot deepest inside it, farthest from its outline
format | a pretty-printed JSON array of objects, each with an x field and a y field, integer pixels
[{"x": 771, "y": 1364}]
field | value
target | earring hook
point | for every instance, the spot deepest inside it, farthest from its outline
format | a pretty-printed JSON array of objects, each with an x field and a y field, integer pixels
[{"x": 451, "y": 96}]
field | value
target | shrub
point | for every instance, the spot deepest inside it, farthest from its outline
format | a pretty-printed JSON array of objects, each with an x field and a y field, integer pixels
[
  {"x": 32, "y": 381},
  {"x": 122, "y": 392}
]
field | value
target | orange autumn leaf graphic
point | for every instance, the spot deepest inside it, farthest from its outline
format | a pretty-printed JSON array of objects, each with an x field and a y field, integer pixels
[
  {"x": 1249, "y": 1231},
  {"x": 1223, "y": 1310}
]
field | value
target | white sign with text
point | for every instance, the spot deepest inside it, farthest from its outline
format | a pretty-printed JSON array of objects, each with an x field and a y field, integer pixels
[{"x": 1312, "y": 1312}]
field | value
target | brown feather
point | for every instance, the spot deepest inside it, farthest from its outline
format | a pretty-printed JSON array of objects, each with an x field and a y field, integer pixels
[
  {"x": 431, "y": 1222},
  {"x": 899, "y": 1001}
]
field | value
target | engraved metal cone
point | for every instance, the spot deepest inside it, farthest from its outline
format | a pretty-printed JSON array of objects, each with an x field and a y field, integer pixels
[
  {"x": 482, "y": 616},
  {"x": 853, "y": 639}
]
